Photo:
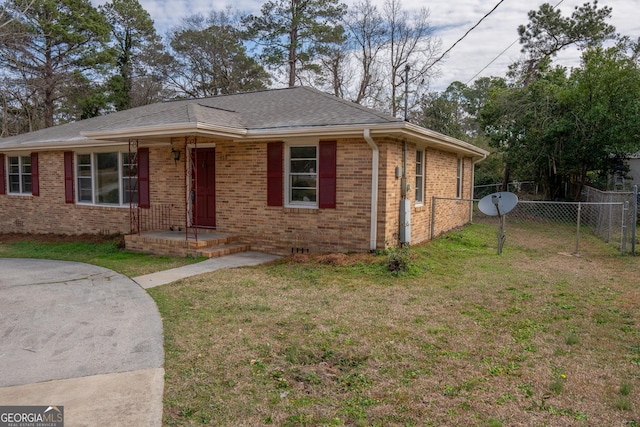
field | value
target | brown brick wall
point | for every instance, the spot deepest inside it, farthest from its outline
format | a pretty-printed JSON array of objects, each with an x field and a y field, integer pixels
[
  {"x": 241, "y": 206},
  {"x": 242, "y": 202},
  {"x": 48, "y": 213}
]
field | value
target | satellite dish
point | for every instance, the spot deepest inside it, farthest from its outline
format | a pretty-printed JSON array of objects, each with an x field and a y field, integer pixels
[{"x": 498, "y": 204}]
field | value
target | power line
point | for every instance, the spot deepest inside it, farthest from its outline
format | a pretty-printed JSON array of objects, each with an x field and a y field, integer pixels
[
  {"x": 492, "y": 61},
  {"x": 501, "y": 53},
  {"x": 465, "y": 34}
]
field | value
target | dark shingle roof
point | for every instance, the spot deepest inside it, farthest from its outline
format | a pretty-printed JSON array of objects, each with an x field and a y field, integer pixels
[
  {"x": 271, "y": 109},
  {"x": 291, "y": 111}
]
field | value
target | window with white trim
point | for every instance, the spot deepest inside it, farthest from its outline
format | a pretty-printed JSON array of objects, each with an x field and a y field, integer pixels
[
  {"x": 103, "y": 178},
  {"x": 419, "y": 177},
  {"x": 302, "y": 180},
  {"x": 459, "y": 176},
  {"x": 19, "y": 174}
]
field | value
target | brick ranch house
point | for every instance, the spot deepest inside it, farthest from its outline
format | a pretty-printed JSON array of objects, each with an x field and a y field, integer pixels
[{"x": 281, "y": 171}]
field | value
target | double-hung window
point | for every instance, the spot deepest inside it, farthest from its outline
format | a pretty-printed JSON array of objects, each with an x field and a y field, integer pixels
[
  {"x": 19, "y": 174},
  {"x": 419, "y": 177},
  {"x": 303, "y": 175},
  {"x": 104, "y": 178}
]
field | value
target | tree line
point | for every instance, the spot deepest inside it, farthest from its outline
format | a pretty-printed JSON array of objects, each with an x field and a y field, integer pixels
[
  {"x": 560, "y": 127},
  {"x": 65, "y": 60}
]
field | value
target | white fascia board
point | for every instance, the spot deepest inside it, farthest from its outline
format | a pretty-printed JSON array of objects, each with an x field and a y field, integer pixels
[
  {"x": 60, "y": 145},
  {"x": 397, "y": 129},
  {"x": 167, "y": 130},
  {"x": 445, "y": 142}
]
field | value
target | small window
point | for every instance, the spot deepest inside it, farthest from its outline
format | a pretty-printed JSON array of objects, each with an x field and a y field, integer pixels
[
  {"x": 19, "y": 174},
  {"x": 459, "y": 179},
  {"x": 419, "y": 177},
  {"x": 303, "y": 175}
]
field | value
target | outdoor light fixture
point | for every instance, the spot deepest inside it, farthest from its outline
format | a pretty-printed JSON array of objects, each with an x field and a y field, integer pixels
[{"x": 175, "y": 154}]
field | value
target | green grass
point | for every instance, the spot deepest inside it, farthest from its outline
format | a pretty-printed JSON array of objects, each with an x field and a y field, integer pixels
[
  {"x": 534, "y": 336},
  {"x": 464, "y": 337},
  {"x": 106, "y": 252}
]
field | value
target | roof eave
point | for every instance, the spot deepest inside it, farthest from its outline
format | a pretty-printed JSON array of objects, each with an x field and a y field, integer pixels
[
  {"x": 166, "y": 130},
  {"x": 392, "y": 129},
  {"x": 444, "y": 141},
  {"x": 59, "y": 145},
  {"x": 396, "y": 129}
]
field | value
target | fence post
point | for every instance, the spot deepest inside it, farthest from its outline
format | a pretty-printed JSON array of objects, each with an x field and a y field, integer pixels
[
  {"x": 634, "y": 220},
  {"x": 609, "y": 231},
  {"x": 578, "y": 228},
  {"x": 625, "y": 213},
  {"x": 433, "y": 216}
]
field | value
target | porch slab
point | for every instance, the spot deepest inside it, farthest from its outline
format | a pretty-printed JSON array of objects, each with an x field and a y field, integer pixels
[{"x": 207, "y": 243}]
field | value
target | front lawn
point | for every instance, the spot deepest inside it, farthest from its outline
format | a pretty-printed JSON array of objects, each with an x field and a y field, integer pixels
[{"x": 468, "y": 338}]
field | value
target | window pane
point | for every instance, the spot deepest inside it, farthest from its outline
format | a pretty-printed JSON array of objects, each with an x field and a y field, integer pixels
[
  {"x": 303, "y": 166},
  {"x": 303, "y": 152},
  {"x": 26, "y": 164},
  {"x": 85, "y": 187},
  {"x": 107, "y": 178},
  {"x": 299, "y": 195},
  {"x": 129, "y": 169},
  {"x": 26, "y": 183},
  {"x": 303, "y": 181},
  {"x": 14, "y": 183},
  {"x": 419, "y": 177},
  {"x": 84, "y": 190},
  {"x": 130, "y": 190},
  {"x": 14, "y": 165},
  {"x": 459, "y": 179}
]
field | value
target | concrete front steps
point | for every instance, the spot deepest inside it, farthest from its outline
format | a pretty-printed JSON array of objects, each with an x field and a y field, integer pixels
[{"x": 209, "y": 244}]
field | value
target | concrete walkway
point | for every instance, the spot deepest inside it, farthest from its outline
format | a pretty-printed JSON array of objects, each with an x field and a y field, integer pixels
[
  {"x": 87, "y": 338},
  {"x": 229, "y": 261}
]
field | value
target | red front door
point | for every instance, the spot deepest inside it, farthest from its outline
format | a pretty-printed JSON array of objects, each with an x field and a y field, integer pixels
[{"x": 204, "y": 161}]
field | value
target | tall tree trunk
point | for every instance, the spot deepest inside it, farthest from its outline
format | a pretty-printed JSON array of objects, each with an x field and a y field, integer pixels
[
  {"x": 49, "y": 87},
  {"x": 293, "y": 46}
]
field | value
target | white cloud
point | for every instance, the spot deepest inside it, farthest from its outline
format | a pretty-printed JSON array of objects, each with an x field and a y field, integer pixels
[{"x": 450, "y": 18}]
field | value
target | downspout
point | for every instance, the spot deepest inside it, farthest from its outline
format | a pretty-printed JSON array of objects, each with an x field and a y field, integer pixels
[
  {"x": 375, "y": 162},
  {"x": 473, "y": 182}
]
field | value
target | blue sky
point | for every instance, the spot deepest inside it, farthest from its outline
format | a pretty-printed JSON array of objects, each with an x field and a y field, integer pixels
[{"x": 451, "y": 18}]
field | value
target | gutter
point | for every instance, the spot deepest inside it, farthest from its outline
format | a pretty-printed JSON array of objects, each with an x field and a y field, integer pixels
[
  {"x": 375, "y": 162},
  {"x": 473, "y": 180}
]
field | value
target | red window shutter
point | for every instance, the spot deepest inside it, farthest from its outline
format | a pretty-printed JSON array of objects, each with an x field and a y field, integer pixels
[
  {"x": 3, "y": 184},
  {"x": 327, "y": 174},
  {"x": 68, "y": 177},
  {"x": 274, "y": 173},
  {"x": 35, "y": 175},
  {"x": 143, "y": 178}
]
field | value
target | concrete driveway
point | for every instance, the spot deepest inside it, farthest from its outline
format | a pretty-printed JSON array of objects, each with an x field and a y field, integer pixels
[{"x": 82, "y": 337}]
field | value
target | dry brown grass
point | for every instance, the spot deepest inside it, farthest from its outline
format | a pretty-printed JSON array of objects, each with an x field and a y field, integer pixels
[{"x": 533, "y": 337}]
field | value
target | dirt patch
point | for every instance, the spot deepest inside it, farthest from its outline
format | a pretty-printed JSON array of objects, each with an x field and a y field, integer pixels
[{"x": 333, "y": 259}]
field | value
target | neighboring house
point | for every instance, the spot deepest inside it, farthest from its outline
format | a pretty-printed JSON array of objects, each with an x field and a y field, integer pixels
[
  {"x": 632, "y": 177},
  {"x": 283, "y": 170}
]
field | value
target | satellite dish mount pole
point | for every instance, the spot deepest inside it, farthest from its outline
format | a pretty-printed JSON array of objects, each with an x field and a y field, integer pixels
[{"x": 495, "y": 199}]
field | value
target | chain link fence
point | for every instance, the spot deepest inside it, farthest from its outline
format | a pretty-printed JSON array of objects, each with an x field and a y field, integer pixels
[
  {"x": 609, "y": 220},
  {"x": 527, "y": 187}
]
